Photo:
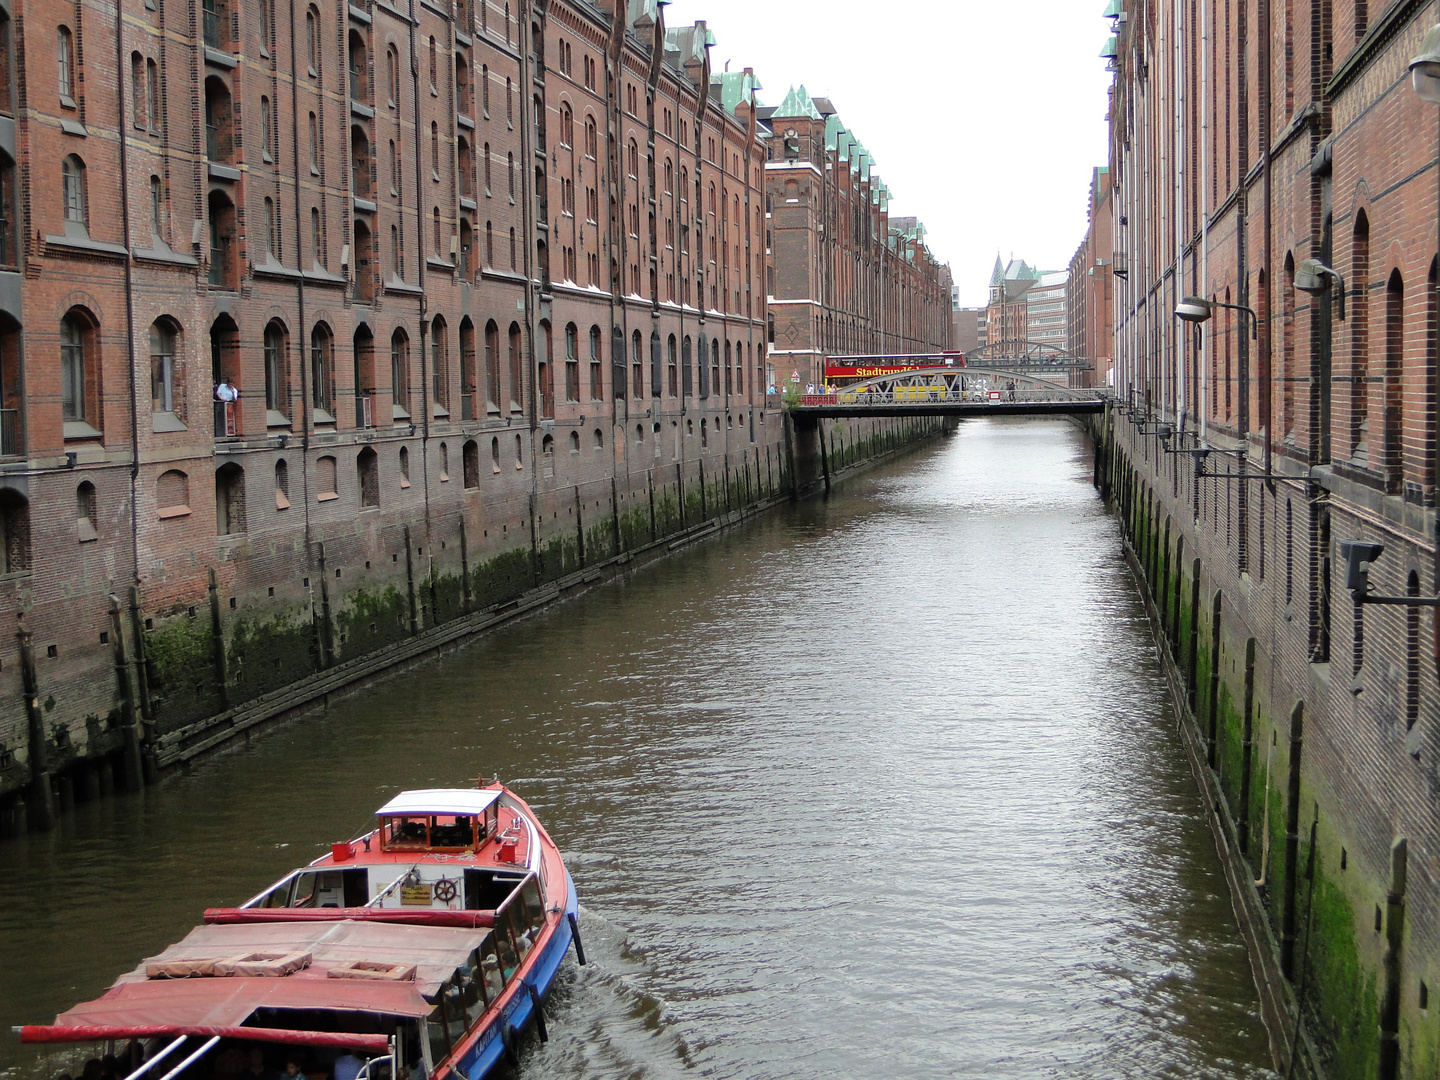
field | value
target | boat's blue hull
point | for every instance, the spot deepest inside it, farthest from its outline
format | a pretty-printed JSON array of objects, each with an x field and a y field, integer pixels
[{"x": 489, "y": 1048}]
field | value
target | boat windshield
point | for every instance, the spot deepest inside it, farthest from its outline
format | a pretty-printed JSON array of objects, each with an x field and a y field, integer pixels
[
  {"x": 423, "y": 832},
  {"x": 462, "y": 1000}
]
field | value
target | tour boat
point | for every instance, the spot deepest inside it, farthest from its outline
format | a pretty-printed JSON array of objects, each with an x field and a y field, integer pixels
[{"x": 425, "y": 945}]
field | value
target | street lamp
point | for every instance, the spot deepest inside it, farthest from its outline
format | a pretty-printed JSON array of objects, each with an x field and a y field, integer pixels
[
  {"x": 1196, "y": 309},
  {"x": 1312, "y": 276},
  {"x": 1425, "y": 68},
  {"x": 1358, "y": 556}
]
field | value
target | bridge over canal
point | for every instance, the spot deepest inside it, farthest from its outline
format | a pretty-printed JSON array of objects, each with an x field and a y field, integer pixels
[{"x": 945, "y": 390}]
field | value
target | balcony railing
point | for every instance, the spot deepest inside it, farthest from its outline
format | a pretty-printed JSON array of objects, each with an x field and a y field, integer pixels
[
  {"x": 217, "y": 33},
  {"x": 227, "y": 421},
  {"x": 9, "y": 432}
]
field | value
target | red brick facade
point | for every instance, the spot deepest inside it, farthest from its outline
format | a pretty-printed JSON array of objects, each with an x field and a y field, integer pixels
[
  {"x": 847, "y": 278},
  {"x": 488, "y": 279},
  {"x": 1246, "y": 139}
]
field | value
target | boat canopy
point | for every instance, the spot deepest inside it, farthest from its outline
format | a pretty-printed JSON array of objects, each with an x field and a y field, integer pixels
[
  {"x": 343, "y": 966},
  {"x": 439, "y": 801}
]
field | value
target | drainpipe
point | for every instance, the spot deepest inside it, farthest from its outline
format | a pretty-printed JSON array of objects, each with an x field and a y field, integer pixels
[
  {"x": 321, "y": 653},
  {"x": 133, "y": 733},
  {"x": 424, "y": 321},
  {"x": 1203, "y": 285}
]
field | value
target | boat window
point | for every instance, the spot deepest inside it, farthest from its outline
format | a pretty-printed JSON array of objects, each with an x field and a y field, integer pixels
[
  {"x": 517, "y": 925},
  {"x": 407, "y": 832},
  {"x": 328, "y": 889},
  {"x": 492, "y": 820},
  {"x": 486, "y": 890},
  {"x": 437, "y": 1030},
  {"x": 487, "y": 967}
]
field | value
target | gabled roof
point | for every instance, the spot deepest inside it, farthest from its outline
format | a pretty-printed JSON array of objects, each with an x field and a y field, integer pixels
[
  {"x": 735, "y": 87},
  {"x": 797, "y": 103},
  {"x": 690, "y": 42}
]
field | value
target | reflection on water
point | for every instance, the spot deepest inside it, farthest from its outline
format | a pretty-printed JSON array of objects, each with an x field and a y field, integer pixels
[{"x": 880, "y": 786}]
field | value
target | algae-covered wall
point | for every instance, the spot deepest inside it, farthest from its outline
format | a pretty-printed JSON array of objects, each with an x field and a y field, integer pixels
[
  {"x": 1325, "y": 772},
  {"x": 302, "y": 604}
]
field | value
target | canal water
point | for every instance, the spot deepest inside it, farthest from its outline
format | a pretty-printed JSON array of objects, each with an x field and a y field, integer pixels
[{"x": 880, "y": 786}]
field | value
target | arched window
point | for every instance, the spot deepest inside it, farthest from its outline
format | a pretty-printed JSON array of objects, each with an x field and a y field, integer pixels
[
  {"x": 86, "y": 517},
  {"x": 687, "y": 374},
  {"x": 572, "y": 363},
  {"x": 1360, "y": 334},
  {"x": 545, "y": 372},
  {"x": 492, "y": 367},
  {"x": 657, "y": 383},
  {"x": 567, "y": 126},
  {"x": 277, "y": 375},
  {"x": 400, "y": 375},
  {"x": 219, "y": 139},
  {"x": 466, "y": 164},
  {"x": 440, "y": 363},
  {"x": 79, "y": 372},
  {"x": 7, "y": 61},
  {"x": 224, "y": 258},
  {"x": 282, "y": 485},
  {"x": 1394, "y": 454},
  {"x": 485, "y": 82},
  {"x": 495, "y": 454},
  {"x": 517, "y": 372},
  {"x": 404, "y": 467},
  {"x": 364, "y": 264},
  {"x": 715, "y": 366},
  {"x": 597, "y": 370},
  {"x": 165, "y": 395},
  {"x": 326, "y": 479},
  {"x": 172, "y": 494},
  {"x": 360, "y": 167},
  {"x": 322, "y": 373},
  {"x": 470, "y": 463},
  {"x": 65, "y": 65},
  {"x": 392, "y": 69},
  {"x": 229, "y": 499},
  {"x": 367, "y": 474},
  {"x": 312, "y": 41},
  {"x": 359, "y": 69},
  {"x": 592, "y": 139},
  {"x": 363, "y": 348},
  {"x": 14, "y": 532},
  {"x": 467, "y": 370},
  {"x": 462, "y": 86},
  {"x": 637, "y": 368},
  {"x": 672, "y": 368},
  {"x": 574, "y": 442},
  {"x": 434, "y": 150},
  {"x": 72, "y": 188}
]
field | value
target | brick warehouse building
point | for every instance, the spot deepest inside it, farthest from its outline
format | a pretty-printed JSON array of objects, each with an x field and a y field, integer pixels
[
  {"x": 488, "y": 283},
  {"x": 1089, "y": 296},
  {"x": 846, "y": 277},
  {"x": 1246, "y": 139}
]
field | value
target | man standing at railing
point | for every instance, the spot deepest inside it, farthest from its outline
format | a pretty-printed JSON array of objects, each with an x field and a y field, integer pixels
[{"x": 225, "y": 390}]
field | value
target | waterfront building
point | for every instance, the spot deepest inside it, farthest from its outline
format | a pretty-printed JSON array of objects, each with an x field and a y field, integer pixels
[
  {"x": 1089, "y": 299},
  {"x": 1007, "y": 316},
  {"x": 845, "y": 277},
  {"x": 1244, "y": 143},
  {"x": 486, "y": 294}
]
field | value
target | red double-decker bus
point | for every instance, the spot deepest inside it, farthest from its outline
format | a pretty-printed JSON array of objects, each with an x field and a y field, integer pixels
[{"x": 841, "y": 371}]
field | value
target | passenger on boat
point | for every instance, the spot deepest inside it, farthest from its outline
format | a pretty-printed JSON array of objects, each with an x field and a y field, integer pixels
[
  {"x": 292, "y": 1069},
  {"x": 493, "y": 982},
  {"x": 508, "y": 962},
  {"x": 257, "y": 1069},
  {"x": 347, "y": 1066},
  {"x": 92, "y": 1070}
]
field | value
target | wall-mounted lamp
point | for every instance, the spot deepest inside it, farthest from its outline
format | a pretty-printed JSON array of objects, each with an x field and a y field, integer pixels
[
  {"x": 1166, "y": 433},
  {"x": 1425, "y": 68},
  {"x": 1358, "y": 555},
  {"x": 1196, "y": 309},
  {"x": 1313, "y": 277}
]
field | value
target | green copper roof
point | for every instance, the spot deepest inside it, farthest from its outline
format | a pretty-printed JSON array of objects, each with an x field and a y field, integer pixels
[
  {"x": 644, "y": 12},
  {"x": 1110, "y": 49},
  {"x": 1114, "y": 8},
  {"x": 797, "y": 103},
  {"x": 735, "y": 87},
  {"x": 833, "y": 131}
]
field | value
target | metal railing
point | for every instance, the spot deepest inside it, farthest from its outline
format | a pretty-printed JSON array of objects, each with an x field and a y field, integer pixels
[
  {"x": 10, "y": 432},
  {"x": 920, "y": 395},
  {"x": 217, "y": 32}
]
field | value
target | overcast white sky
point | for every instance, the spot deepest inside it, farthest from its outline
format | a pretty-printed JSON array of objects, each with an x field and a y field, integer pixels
[{"x": 985, "y": 119}]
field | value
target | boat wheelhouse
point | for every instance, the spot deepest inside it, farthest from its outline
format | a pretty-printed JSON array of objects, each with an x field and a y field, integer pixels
[{"x": 425, "y": 945}]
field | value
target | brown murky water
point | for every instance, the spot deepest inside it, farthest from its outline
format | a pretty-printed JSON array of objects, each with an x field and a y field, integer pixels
[{"x": 884, "y": 786}]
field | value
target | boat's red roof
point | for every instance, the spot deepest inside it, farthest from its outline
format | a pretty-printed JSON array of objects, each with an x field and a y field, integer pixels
[{"x": 136, "y": 1000}]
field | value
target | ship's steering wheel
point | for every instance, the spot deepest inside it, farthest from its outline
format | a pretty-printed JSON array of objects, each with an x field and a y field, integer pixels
[{"x": 445, "y": 890}]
